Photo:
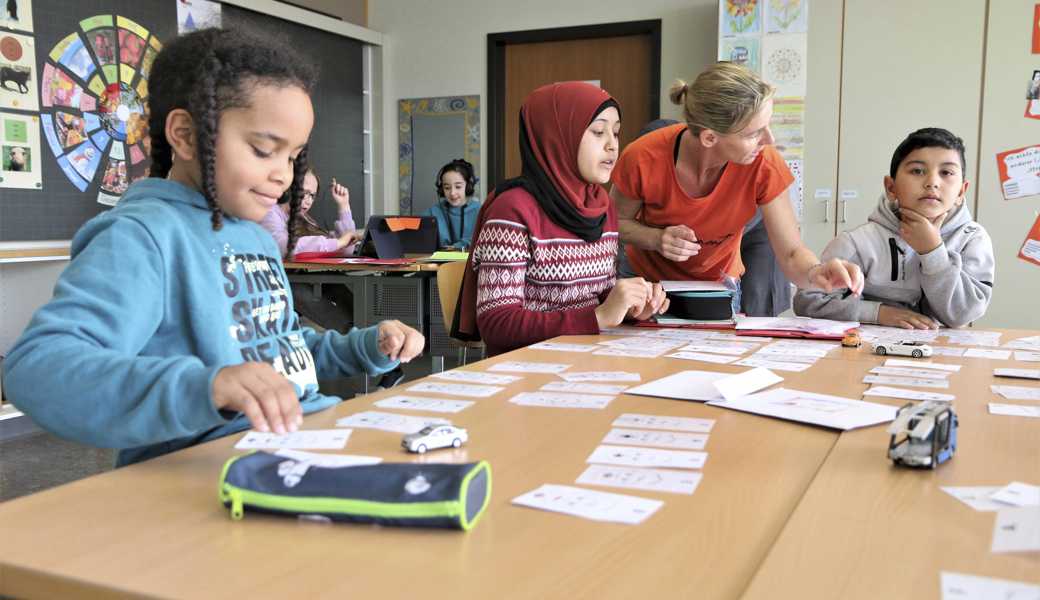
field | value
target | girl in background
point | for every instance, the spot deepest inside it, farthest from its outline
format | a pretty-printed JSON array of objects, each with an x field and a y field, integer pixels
[{"x": 456, "y": 209}]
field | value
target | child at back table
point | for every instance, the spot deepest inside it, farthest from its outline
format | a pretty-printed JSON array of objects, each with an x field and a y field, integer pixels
[
  {"x": 173, "y": 323},
  {"x": 926, "y": 263}
]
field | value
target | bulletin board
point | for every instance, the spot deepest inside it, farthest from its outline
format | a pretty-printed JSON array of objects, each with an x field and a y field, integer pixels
[{"x": 76, "y": 158}]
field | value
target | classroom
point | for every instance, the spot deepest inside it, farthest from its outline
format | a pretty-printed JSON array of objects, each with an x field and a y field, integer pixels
[{"x": 805, "y": 385}]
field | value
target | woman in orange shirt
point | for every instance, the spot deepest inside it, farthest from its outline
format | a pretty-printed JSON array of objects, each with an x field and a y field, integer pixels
[{"x": 684, "y": 193}]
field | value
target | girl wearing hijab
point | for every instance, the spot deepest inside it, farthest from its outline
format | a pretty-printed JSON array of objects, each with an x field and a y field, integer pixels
[{"x": 546, "y": 242}]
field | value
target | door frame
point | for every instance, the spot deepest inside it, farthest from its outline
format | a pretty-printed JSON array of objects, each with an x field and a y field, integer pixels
[{"x": 496, "y": 76}]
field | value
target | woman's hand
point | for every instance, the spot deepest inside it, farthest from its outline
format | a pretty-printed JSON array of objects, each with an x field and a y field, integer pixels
[
  {"x": 629, "y": 296},
  {"x": 834, "y": 274},
  {"x": 657, "y": 304},
  {"x": 262, "y": 394},
  {"x": 399, "y": 341},
  {"x": 678, "y": 243},
  {"x": 341, "y": 195}
]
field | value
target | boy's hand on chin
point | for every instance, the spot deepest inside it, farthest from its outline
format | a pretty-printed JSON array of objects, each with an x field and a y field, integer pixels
[{"x": 919, "y": 231}]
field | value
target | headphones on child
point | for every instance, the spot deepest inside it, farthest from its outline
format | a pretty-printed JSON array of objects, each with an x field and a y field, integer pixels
[{"x": 462, "y": 167}]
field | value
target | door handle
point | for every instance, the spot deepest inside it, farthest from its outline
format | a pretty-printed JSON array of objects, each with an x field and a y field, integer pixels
[
  {"x": 844, "y": 202},
  {"x": 827, "y": 211}
]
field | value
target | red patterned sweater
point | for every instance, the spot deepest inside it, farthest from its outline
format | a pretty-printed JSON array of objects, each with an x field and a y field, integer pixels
[{"x": 536, "y": 280}]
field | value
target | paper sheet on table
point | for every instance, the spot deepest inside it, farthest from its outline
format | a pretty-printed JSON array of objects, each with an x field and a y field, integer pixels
[
  {"x": 800, "y": 324},
  {"x": 564, "y": 347},
  {"x": 1014, "y": 410},
  {"x": 990, "y": 353},
  {"x": 664, "y": 422},
  {"x": 894, "y": 392},
  {"x": 561, "y": 400},
  {"x": 580, "y": 387},
  {"x": 456, "y": 389},
  {"x": 720, "y": 359},
  {"x": 809, "y": 407},
  {"x": 908, "y": 372},
  {"x": 517, "y": 366},
  {"x": 329, "y": 461},
  {"x": 1027, "y": 356},
  {"x": 1017, "y": 493},
  {"x": 977, "y": 497},
  {"x": 958, "y": 586},
  {"x": 590, "y": 504},
  {"x": 629, "y": 352},
  {"x": 716, "y": 347},
  {"x": 965, "y": 337},
  {"x": 776, "y": 365},
  {"x": 947, "y": 351},
  {"x": 698, "y": 386},
  {"x": 1025, "y": 343},
  {"x": 655, "y": 437},
  {"x": 634, "y": 478},
  {"x": 477, "y": 377},
  {"x": 308, "y": 439},
  {"x": 1016, "y": 530},
  {"x": 1017, "y": 392},
  {"x": 920, "y": 364},
  {"x": 419, "y": 403},
  {"x": 1018, "y": 373},
  {"x": 745, "y": 383},
  {"x": 634, "y": 456},
  {"x": 601, "y": 376},
  {"x": 911, "y": 381},
  {"x": 393, "y": 422}
]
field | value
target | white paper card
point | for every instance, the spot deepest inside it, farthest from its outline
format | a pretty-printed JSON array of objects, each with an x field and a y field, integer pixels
[
  {"x": 564, "y": 347},
  {"x": 610, "y": 389},
  {"x": 590, "y": 504},
  {"x": 920, "y": 364},
  {"x": 1025, "y": 356},
  {"x": 1016, "y": 392},
  {"x": 1017, "y": 493},
  {"x": 516, "y": 366},
  {"x": 477, "y": 377},
  {"x": 957, "y": 586},
  {"x": 383, "y": 421},
  {"x": 745, "y": 383},
  {"x": 430, "y": 404},
  {"x": 718, "y": 348},
  {"x": 601, "y": 376},
  {"x": 329, "y": 461},
  {"x": 308, "y": 439},
  {"x": 1014, "y": 410},
  {"x": 892, "y": 392},
  {"x": 808, "y": 407},
  {"x": 947, "y": 351},
  {"x": 987, "y": 353},
  {"x": 720, "y": 359},
  {"x": 1016, "y": 530},
  {"x": 644, "y": 343},
  {"x": 651, "y": 480},
  {"x": 456, "y": 389},
  {"x": 774, "y": 365},
  {"x": 972, "y": 337},
  {"x": 977, "y": 497},
  {"x": 911, "y": 381},
  {"x": 1018, "y": 373},
  {"x": 654, "y": 437},
  {"x": 561, "y": 400},
  {"x": 684, "y": 385},
  {"x": 664, "y": 422},
  {"x": 908, "y": 372},
  {"x": 630, "y": 456},
  {"x": 629, "y": 352}
]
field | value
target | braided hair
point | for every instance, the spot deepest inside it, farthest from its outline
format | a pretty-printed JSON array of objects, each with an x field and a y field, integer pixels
[{"x": 207, "y": 72}]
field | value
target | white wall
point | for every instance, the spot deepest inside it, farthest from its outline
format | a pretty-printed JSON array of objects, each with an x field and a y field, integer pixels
[{"x": 439, "y": 48}]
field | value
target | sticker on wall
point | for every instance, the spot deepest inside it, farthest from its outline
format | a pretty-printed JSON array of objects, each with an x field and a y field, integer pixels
[
  {"x": 18, "y": 72},
  {"x": 787, "y": 16},
  {"x": 1019, "y": 172},
  {"x": 743, "y": 51},
  {"x": 20, "y": 151},
  {"x": 1033, "y": 96},
  {"x": 784, "y": 63},
  {"x": 739, "y": 17},
  {"x": 197, "y": 14},
  {"x": 94, "y": 91},
  {"x": 1036, "y": 29},
  {"x": 1030, "y": 251},
  {"x": 16, "y": 14}
]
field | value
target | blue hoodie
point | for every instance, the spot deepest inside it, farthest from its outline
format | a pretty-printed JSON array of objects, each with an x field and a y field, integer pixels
[
  {"x": 152, "y": 305},
  {"x": 451, "y": 220}
]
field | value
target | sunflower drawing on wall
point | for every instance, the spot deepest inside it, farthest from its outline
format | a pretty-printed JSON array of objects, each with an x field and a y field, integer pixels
[{"x": 740, "y": 17}]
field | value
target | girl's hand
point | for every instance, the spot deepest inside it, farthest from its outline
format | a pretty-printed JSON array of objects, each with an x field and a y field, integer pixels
[
  {"x": 901, "y": 317},
  {"x": 919, "y": 231},
  {"x": 836, "y": 273},
  {"x": 349, "y": 237},
  {"x": 262, "y": 394},
  {"x": 657, "y": 304},
  {"x": 678, "y": 243},
  {"x": 341, "y": 195},
  {"x": 629, "y": 297},
  {"x": 399, "y": 341}
]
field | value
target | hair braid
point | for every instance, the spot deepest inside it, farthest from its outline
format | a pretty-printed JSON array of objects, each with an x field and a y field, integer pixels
[
  {"x": 300, "y": 168},
  {"x": 207, "y": 115},
  {"x": 162, "y": 153}
]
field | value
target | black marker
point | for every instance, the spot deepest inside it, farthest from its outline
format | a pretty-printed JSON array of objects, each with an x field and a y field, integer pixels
[{"x": 846, "y": 294}]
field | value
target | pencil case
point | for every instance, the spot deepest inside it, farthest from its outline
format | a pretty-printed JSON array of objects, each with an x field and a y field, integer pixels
[
  {"x": 402, "y": 494},
  {"x": 701, "y": 306}
]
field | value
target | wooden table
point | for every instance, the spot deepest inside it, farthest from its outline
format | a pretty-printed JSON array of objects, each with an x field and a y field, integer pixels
[{"x": 158, "y": 529}]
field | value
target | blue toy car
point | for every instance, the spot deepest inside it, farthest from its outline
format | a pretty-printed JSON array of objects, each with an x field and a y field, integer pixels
[{"x": 924, "y": 435}]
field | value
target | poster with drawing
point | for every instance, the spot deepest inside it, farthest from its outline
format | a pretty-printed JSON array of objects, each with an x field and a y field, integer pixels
[
  {"x": 16, "y": 14},
  {"x": 743, "y": 51},
  {"x": 1033, "y": 96},
  {"x": 739, "y": 17},
  {"x": 786, "y": 16},
  {"x": 1019, "y": 172},
  {"x": 18, "y": 77},
  {"x": 784, "y": 63},
  {"x": 788, "y": 126},
  {"x": 197, "y": 14},
  {"x": 20, "y": 151},
  {"x": 1030, "y": 251}
]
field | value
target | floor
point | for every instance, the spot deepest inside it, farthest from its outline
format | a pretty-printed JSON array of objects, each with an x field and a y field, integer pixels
[{"x": 32, "y": 460}]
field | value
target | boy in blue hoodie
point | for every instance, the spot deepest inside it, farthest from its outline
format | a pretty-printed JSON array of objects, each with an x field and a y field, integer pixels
[
  {"x": 456, "y": 209},
  {"x": 173, "y": 323}
]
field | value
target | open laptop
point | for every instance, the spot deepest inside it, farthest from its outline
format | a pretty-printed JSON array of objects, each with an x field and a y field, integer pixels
[{"x": 381, "y": 242}]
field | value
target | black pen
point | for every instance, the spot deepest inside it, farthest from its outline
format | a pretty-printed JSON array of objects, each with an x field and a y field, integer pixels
[{"x": 847, "y": 293}]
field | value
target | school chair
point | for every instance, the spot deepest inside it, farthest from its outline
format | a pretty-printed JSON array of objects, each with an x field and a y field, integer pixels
[{"x": 449, "y": 283}]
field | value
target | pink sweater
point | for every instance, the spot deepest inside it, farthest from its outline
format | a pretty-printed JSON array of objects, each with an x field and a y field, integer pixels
[
  {"x": 277, "y": 222},
  {"x": 536, "y": 280}
]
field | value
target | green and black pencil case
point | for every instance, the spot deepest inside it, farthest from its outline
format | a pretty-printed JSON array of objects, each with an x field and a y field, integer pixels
[{"x": 401, "y": 494}]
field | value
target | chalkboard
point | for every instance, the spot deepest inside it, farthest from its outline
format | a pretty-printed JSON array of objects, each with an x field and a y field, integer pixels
[{"x": 57, "y": 210}]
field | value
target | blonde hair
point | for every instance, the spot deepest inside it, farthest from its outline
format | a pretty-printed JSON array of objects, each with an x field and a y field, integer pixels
[{"x": 723, "y": 98}]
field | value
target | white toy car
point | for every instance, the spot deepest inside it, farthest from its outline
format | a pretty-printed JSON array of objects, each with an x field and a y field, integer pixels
[
  {"x": 903, "y": 348},
  {"x": 432, "y": 437}
]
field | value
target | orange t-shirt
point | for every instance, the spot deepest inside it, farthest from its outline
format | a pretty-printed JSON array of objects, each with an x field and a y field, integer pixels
[{"x": 646, "y": 171}]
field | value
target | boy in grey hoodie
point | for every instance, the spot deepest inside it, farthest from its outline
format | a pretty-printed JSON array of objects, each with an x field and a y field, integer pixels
[{"x": 925, "y": 262}]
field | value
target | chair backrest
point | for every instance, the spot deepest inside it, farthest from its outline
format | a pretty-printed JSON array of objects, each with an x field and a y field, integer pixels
[{"x": 449, "y": 284}]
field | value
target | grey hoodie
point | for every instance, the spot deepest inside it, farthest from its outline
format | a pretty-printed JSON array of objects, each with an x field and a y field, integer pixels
[{"x": 952, "y": 284}]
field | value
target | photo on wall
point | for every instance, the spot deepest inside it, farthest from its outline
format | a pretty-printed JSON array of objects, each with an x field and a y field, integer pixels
[
  {"x": 16, "y": 14},
  {"x": 18, "y": 77},
  {"x": 20, "y": 151}
]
